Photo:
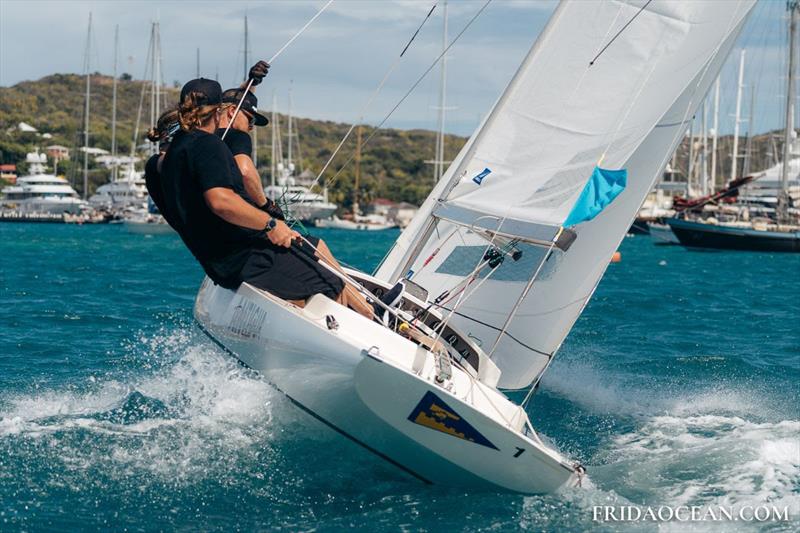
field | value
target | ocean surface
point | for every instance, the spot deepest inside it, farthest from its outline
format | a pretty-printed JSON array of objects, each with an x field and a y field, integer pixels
[{"x": 679, "y": 385}]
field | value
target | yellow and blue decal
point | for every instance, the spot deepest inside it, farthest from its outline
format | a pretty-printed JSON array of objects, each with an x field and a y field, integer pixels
[{"x": 433, "y": 413}]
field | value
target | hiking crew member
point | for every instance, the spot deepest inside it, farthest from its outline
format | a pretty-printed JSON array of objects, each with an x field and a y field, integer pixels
[{"x": 205, "y": 201}]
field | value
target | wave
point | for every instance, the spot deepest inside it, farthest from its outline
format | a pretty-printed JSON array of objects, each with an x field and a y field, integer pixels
[
  {"x": 728, "y": 444},
  {"x": 192, "y": 417}
]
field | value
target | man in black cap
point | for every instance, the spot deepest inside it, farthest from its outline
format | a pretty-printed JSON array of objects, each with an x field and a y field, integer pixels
[
  {"x": 206, "y": 203},
  {"x": 239, "y": 142},
  {"x": 238, "y": 127}
]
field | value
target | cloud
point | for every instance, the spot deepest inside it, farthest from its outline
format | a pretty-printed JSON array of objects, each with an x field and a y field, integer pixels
[{"x": 336, "y": 64}]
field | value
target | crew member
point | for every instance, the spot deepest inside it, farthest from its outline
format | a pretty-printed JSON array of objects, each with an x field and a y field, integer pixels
[{"x": 204, "y": 200}]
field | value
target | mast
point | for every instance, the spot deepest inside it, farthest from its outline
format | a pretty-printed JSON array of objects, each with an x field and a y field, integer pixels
[
  {"x": 197, "y": 64},
  {"x": 157, "y": 77},
  {"x": 690, "y": 171},
  {"x": 704, "y": 157},
  {"x": 748, "y": 145},
  {"x": 783, "y": 200},
  {"x": 715, "y": 127},
  {"x": 290, "y": 134},
  {"x": 87, "y": 63},
  {"x": 246, "y": 71},
  {"x": 274, "y": 148},
  {"x": 438, "y": 163},
  {"x": 152, "y": 61},
  {"x": 115, "y": 168},
  {"x": 738, "y": 120},
  {"x": 358, "y": 172}
]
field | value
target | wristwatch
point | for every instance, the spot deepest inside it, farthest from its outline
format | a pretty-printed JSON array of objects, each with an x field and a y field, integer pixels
[{"x": 271, "y": 223}]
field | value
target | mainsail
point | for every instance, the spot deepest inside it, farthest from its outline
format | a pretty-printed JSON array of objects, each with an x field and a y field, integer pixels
[{"x": 609, "y": 84}]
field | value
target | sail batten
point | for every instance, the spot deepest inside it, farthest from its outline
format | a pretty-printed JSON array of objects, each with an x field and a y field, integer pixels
[{"x": 527, "y": 167}]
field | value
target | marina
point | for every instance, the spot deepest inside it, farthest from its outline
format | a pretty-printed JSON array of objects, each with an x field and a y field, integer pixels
[
  {"x": 148, "y": 415},
  {"x": 319, "y": 326}
]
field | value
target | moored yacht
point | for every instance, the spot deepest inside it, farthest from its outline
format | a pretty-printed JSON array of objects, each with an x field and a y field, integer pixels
[
  {"x": 40, "y": 192},
  {"x": 129, "y": 190},
  {"x": 299, "y": 202}
]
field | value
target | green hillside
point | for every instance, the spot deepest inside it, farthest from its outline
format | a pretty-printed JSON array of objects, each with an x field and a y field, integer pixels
[{"x": 393, "y": 163}]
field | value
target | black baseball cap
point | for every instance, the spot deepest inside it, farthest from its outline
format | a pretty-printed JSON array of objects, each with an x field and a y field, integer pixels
[
  {"x": 250, "y": 104},
  {"x": 210, "y": 90}
]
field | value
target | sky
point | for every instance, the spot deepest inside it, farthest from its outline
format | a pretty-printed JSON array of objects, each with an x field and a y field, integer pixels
[{"x": 334, "y": 67}]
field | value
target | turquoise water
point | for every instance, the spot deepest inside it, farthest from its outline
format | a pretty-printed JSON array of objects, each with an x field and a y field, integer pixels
[{"x": 678, "y": 386}]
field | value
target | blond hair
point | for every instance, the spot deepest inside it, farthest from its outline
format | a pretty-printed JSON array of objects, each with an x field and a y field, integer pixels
[
  {"x": 191, "y": 115},
  {"x": 162, "y": 127}
]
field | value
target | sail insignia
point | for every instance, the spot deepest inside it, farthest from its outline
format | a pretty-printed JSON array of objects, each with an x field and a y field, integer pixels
[
  {"x": 479, "y": 178},
  {"x": 433, "y": 413},
  {"x": 603, "y": 186}
]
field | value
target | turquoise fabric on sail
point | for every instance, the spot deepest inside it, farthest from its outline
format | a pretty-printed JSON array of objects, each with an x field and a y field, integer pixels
[{"x": 600, "y": 190}]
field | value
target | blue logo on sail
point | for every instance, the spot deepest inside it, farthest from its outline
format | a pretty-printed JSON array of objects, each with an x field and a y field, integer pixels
[
  {"x": 433, "y": 413},
  {"x": 601, "y": 189},
  {"x": 479, "y": 178}
]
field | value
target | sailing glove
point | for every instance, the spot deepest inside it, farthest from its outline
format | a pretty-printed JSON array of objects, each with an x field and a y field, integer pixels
[
  {"x": 272, "y": 209},
  {"x": 258, "y": 71}
]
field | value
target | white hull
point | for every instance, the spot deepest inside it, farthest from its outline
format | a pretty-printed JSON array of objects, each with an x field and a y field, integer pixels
[
  {"x": 338, "y": 223},
  {"x": 378, "y": 389},
  {"x": 311, "y": 213},
  {"x": 55, "y": 206},
  {"x": 143, "y": 227},
  {"x": 662, "y": 234}
]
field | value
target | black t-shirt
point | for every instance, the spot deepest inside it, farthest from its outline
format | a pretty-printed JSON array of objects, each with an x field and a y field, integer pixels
[
  {"x": 152, "y": 181},
  {"x": 239, "y": 142},
  {"x": 196, "y": 162}
]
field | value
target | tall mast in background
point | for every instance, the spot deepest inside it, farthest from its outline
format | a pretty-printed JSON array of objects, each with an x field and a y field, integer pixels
[
  {"x": 115, "y": 168},
  {"x": 438, "y": 159},
  {"x": 157, "y": 76},
  {"x": 788, "y": 133},
  {"x": 738, "y": 120},
  {"x": 275, "y": 140},
  {"x": 704, "y": 156},
  {"x": 289, "y": 162},
  {"x": 246, "y": 71},
  {"x": 715, "y": 128},
  {"x": 86, "y": 67},
  {"x": 748, "y": 144}
]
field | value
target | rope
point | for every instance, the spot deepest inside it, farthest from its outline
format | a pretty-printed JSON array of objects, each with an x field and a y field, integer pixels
[
  {"x": 273, "y": 58},
  {"x": 375, "y": 93},
  {"x": 619, "y": 32},
  {"x": 407, "y": 94}
]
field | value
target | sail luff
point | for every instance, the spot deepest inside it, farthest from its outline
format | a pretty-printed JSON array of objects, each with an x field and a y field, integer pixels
[
  {"x": 396, "y": 262},
  {"x": 524, "y": 169}
]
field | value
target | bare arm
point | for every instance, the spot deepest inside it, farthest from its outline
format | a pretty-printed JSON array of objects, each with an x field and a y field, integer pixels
[
  {"x": 232, "y": 208},
  {"x": 252, "y": 181}
]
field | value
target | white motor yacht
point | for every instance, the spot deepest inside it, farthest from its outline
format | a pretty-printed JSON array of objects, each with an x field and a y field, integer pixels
[
  {"x": 39, "y": 192},
  {"x": 299, "y": 202},
  {"x": 129, "y": 190}
]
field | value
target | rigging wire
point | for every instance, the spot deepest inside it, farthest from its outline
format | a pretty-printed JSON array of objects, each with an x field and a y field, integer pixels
[
  {"x": 614, "y": 38},
  {"x": 369, "y": 101},
  {"x": 407, "y": 94},
  {"x": 271, "y": 60}
]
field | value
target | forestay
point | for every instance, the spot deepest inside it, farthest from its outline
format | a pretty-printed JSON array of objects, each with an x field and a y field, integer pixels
[{"x": 608, "y": 83}]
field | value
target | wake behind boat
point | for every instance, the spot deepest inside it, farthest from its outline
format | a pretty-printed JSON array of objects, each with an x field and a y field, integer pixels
[{"x": 510, "y": 246}]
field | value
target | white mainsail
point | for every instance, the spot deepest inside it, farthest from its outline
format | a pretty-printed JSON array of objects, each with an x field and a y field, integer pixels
[{"x": 610, "y": 83}]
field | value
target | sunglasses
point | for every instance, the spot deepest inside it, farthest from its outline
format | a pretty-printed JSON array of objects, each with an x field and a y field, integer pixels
[{"x": 251, "y": 120}]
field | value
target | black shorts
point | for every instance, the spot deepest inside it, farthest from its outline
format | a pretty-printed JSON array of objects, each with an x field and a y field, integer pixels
[{"x": 290, "y": 273}]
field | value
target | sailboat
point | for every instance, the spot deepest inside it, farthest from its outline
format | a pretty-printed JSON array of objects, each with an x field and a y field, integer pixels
[
  {"x": 748, "y": 231},
  {"x": 358, "y": 221},
  {"x": 501, "y": 258},
  {"x": 299, "y": 202},
  {"x": 129, "y": 189},
  {"x": 146, "y": 219}
]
